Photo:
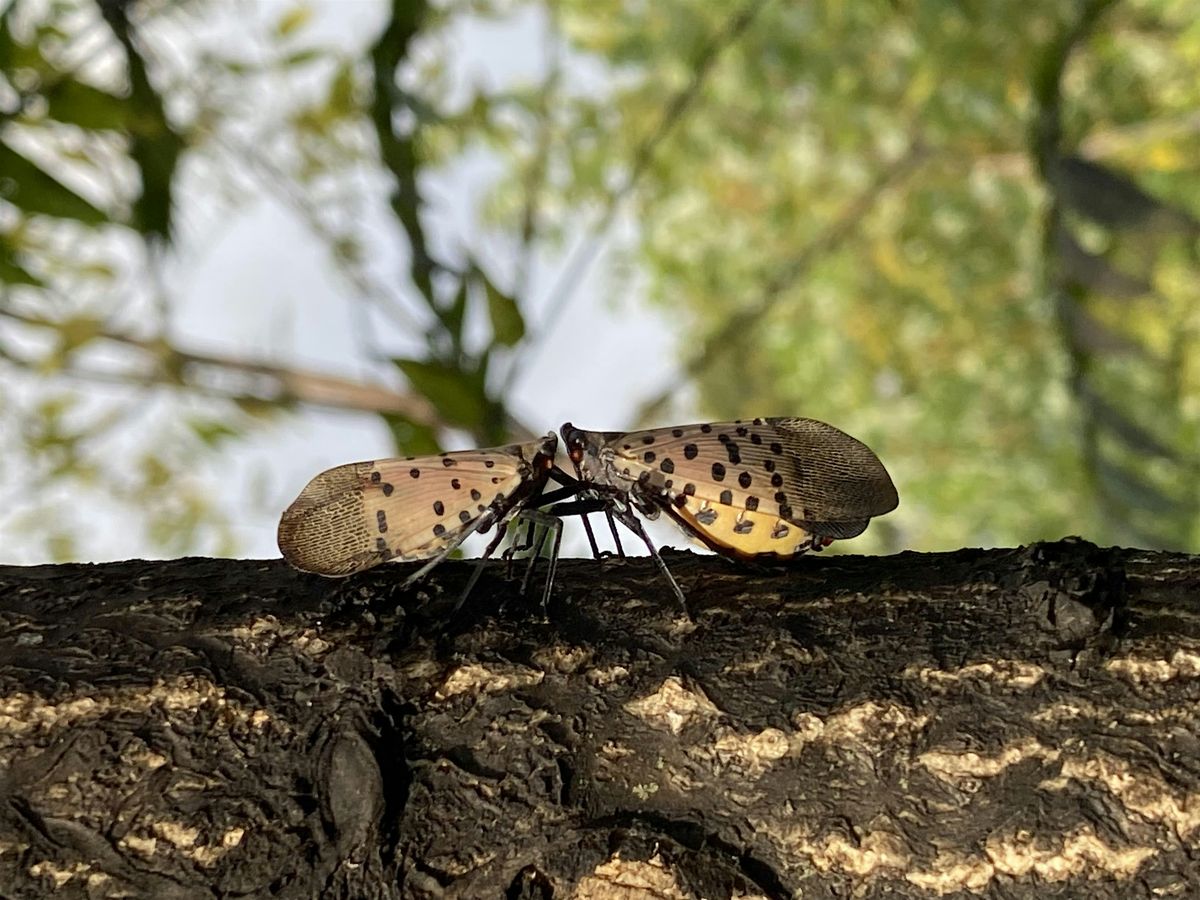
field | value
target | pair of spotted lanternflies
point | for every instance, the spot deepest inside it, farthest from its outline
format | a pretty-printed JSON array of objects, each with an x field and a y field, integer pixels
[{"x": 761, "y": 488}]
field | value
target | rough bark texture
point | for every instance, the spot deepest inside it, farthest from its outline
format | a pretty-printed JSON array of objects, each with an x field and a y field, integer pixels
[{"x": 1005, "y": 723}]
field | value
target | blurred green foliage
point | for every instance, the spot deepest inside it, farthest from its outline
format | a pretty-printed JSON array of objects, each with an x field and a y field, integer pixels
[{"x": 966, "y": 233}]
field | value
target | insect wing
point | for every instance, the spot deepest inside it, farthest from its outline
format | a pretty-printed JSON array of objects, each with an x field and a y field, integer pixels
[
  {"x": 359, "y": 515},
  {"x": 763, "y": 486}
]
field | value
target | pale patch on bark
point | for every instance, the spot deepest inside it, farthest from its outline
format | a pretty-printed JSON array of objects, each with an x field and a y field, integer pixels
[
  {"x": 619, "y": 879},
  {"x": 950, "y": 765},
  {"x": 1012, "y": 673},
  {"x": 24, "y": 712},
  {"x": 478, "y": 679},
  {"x": 673, "y": 706},
  {"x": 1182, "y": 664},
  {"x": 1141, "y": 792},
  {"x": 562, "y": 659}
]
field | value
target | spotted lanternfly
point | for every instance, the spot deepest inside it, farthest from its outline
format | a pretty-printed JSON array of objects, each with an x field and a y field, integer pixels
[
  {"x": 359, "y": 515},
  {"x": 759, "y": 488}
]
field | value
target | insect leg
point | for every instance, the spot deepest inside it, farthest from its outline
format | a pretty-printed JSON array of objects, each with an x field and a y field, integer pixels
[
  {"x": 630, "y": 521},
  {"x": 612, "y": 527},
  {"x": 484, "y": 522},
  {"x": 545, "y": 524},
  {"x": 626, "y": 518},
  {"x": 483, "y": 558},
  {"x": 548, "y": 523},
  {"x": 552, "y": 567},
  {"x": 571, "y": 487}
]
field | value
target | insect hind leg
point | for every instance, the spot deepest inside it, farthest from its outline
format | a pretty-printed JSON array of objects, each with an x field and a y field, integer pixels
[
  {"x": 615, "y": 513},
  {"x": 501, "y": 529},
  {"x": 543, "y": 525}
]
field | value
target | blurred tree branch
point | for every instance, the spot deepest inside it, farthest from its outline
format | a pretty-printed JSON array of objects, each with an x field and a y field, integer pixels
[
  {"x": 1114, "y": 439},
  {"x": 222, "y": 375}
]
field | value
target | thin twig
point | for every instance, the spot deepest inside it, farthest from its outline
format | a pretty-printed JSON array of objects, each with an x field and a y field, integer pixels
[{"x": 588, "y": 247}]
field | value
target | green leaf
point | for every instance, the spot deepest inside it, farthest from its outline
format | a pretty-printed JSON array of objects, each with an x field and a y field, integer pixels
[
  {"x": 452, "y": 316},
  {"x": 211, "y": 432},
  {"x": 293, "y": 20},
  {"x": 302, "y": 57},
  {"x": 508, "y": 325},
  {"x": 412, "y": 438},
  {"x": 76, "y": 103},
  {"x": 11, "y": 271},
  {"x": 73, "y": 333},
  {"x": 29, "y": 188},
  {"x": 457, "y": 393}
]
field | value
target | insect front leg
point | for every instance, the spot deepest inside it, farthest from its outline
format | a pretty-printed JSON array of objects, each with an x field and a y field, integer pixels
[{"x": 572, "y": 487}]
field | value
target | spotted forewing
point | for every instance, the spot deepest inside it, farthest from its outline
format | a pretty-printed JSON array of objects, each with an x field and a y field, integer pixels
[
  {"x": 358, "y": 515},
  {"x": 772, "y": 486}
]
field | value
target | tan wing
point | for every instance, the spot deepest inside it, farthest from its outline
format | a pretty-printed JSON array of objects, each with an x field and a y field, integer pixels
[
  {"x": 802, "y": 471},
  {"x": 359, "y": 515}
]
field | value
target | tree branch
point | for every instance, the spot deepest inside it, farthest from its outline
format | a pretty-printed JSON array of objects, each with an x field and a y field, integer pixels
[
  {"x": 992, "y": 724},
  {"x": 210, "y": 373}
]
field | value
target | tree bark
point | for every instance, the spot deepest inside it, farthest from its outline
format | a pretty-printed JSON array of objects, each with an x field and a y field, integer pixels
[{"x": 1003, "y": 723}]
